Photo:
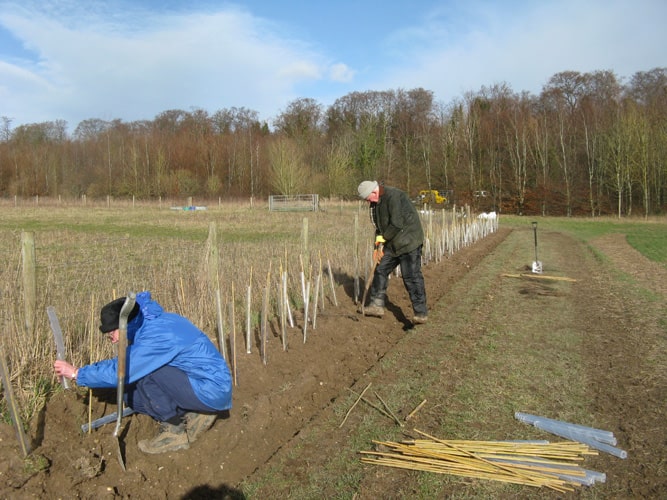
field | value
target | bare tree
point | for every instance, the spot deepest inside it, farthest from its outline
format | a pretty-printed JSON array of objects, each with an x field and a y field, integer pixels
[{"x": 287, "y": 168}]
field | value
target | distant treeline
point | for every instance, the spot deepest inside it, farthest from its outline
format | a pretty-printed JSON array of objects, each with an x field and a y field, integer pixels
[{"x": 588, "y": 144}]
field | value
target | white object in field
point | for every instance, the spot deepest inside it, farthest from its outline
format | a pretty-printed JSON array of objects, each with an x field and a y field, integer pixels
[{"x": 537, "y": 264}]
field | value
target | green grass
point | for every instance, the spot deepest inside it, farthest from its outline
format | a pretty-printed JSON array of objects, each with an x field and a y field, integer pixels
[
  {"x": 647, "y": 237},
  {"x": 522, "y": 355},
  {"x": 155, "y": 225}
]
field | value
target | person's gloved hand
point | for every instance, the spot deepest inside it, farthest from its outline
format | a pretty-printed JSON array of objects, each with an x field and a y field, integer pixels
[{"x": 378, "y": 253}]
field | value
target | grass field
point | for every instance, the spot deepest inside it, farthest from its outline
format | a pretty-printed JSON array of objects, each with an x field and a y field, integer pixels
[
  {"x": 493, "y": 345},
  {"x": 87, "y": 255}
]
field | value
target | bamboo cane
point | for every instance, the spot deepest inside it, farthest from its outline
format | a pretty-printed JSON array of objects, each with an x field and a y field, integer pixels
[
  {"x": 182, "y": 294},
  {"x": 355, "y": 404},
  {"x": 388, "y": 409},
  {"x": 248, "y": 331},
  {"x": 467, "y": 453},
  {"x": 331, "y": 281},
  {"x": 320, "y": 288},
  {"x": 283, "y": 309},
  {"x": 265, "y": 314},
  {"x": 221, "y": 328},
  {"x": 318, "y": 282},
  {"x": 232, "y": 335},
  {"x": 413, "y": 412},
  {"x": 306, "y": 305},
  {"x": 540, "y": 277},
  {"x": 262, "y": 330},
  {"x": 526, "y": 463},
  {"x": 372, "y": 405}
]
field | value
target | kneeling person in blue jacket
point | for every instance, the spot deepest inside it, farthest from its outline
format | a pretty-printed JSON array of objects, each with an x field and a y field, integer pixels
[{"x": 174, "y": 372}]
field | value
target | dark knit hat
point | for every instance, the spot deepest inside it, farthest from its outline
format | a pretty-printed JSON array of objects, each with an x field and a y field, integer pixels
[{"x": 110, "y": 315}]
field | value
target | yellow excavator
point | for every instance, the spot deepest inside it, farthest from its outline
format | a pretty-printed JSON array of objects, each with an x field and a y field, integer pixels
[{"x": 432, "y": 197}]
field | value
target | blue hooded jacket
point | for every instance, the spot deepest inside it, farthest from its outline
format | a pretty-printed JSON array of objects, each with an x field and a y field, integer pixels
[{"x": 157, "y": 338}]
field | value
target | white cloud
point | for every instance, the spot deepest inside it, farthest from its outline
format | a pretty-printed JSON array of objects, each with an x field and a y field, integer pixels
[
  {"x": 526, "y": 43},
  {"x": 341, "y": 73},
  {"x": 115, "y": 59},
  {"x": 299, "y": 70},
  {"x": 93, "y": 67}
]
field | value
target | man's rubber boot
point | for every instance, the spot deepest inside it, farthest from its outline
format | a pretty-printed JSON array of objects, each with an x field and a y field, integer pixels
[
  {"x": 169, "y": 438},
  {"x": 198, "y": 423}
]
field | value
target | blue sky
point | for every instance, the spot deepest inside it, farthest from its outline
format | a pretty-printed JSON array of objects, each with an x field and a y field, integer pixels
[{"x": 132, "y": 59}]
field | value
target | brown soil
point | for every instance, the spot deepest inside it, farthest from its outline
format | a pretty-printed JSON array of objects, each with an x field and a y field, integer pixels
[{"x": 273, "y": 404}]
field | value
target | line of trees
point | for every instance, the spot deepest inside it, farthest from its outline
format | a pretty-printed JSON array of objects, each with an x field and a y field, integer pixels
[{"x": 587, "y": 144}]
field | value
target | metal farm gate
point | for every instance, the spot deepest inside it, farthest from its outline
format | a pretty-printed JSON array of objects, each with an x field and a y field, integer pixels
[{"x": 294, "y": 203}]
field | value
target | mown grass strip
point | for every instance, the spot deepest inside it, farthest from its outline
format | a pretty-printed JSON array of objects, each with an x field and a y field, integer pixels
[{"x": 649, "y": 237}]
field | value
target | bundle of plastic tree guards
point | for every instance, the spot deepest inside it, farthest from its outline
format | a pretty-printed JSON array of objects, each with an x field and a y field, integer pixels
[
  {"x": 533, "y": 463},
  {"x": 595, "y": 438}
]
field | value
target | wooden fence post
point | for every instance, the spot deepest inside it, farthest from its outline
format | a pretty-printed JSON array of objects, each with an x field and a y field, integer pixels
[
  {"x": 29, "y": 279},
  {"x": 213, "y": 255}
]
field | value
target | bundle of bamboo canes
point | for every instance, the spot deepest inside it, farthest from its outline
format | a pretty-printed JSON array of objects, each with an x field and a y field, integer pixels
[{"x": 532, "y": 463}]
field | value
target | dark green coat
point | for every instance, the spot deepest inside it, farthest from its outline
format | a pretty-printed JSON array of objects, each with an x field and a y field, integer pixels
[{"x": 397, "y": 220}]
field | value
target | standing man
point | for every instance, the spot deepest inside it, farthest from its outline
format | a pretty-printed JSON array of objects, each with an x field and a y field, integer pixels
[
  {"x": 174, "y": 372},
  {"x": 399, "y": 239}
]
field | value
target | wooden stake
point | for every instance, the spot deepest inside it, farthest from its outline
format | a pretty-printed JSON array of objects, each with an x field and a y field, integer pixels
[{"x": 12, "y": 407}]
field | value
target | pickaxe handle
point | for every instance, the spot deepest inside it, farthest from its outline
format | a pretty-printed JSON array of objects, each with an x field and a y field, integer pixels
[
  {"x": 369, "y": 281},
  {"x": 125, "y": 311}
]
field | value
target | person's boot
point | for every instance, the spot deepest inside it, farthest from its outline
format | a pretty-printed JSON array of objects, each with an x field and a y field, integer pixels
[
  {"x": 419, "y": 319},
  {"x": 198, "y": 423},
  {"x": 169, "y": 438},
  {"x": 375, "y": 309}
]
